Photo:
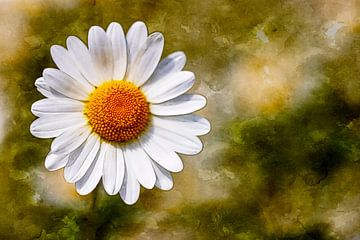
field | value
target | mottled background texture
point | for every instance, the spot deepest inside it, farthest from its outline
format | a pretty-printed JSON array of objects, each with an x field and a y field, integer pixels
[{"x": 282, "y": 79}]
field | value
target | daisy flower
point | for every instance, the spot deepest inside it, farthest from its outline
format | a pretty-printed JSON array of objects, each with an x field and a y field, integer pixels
[{"x": 118, "y": 114}]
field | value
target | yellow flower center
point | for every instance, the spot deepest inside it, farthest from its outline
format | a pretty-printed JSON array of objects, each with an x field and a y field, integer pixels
[{"x": 118, "y": 111}]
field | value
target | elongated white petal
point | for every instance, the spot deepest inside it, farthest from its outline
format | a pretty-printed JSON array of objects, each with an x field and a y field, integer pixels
[
  {"x": 65, "y": 84},
  {"x": 51, "y": 106},
  {"x": 70, "y": 140},
  {"x": 146, "y": 59},
  {"x": 183, "y": 104},
  {"x": 53, "y": 126},
  {"x": 73, "y": 156},
  {"x": 160, "y": 153},
  {"x": 45, "y": 90},
  {"x": 139, "y": 162},
  {"x": 109, "y": 169},
  {"x": 175, "y": 62},
  {"x": 135, "y": 38},
  {"x": 119, "y": 52},
  {"x": 66, "y": 64},
  {"x": 79, "y": 163},
  {"x": 113, "y": 171},
  {"x": 81, "y": 56},
  {"x": 170, "y": 87},
  {"x": 120, "y": 168},
  {"x": 101, "y": 54},
  {"x": 164, "y": 180},
  {"x": 42, "y": 87},
  {"x": 93, "y": 175},
  {"x": 190, "y": 124},
  {"x": 130, "y": 188},
  {"x": 178, "y": 142},
  {"x": 54, "y": 161}
]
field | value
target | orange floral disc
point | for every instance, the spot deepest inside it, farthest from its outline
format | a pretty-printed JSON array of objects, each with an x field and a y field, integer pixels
[{"x": 118, "y": 111}]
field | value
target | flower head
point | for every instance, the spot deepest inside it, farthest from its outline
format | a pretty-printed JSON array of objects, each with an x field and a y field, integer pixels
[{"x": 116, "y": 113}]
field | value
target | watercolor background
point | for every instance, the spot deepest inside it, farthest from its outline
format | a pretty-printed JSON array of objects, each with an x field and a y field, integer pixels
[{"x": 282, "y": 79}]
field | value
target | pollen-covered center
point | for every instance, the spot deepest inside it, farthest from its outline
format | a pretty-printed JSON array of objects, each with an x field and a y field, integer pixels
[{"x": 118, "y": 111}]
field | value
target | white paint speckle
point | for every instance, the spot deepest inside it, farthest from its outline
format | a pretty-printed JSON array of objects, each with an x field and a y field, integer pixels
[
  {"x": 332, "y": 30},
  {"x": 262, "y": 36}
]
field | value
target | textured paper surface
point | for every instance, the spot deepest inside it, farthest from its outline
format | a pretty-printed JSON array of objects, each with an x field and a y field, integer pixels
[{"x": 282, "y": 81}]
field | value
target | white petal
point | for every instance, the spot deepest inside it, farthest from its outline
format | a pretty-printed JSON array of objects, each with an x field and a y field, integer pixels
[
  {"x": 113, "y": 171},
  {"x": 140, "y": 163},
  {"x": 66, "y": 64},
  {"x": 146, "y": 59},
  {"x": 176, "y": 141},
  {"x": 50, "y": 106},
  {"x": 135, "y": 38},
  {"x": 45, "y": 90},
  {"x": 130, "y": 188},
  {"x": 175, "y": 62},
  {"x": 79, "y": 163},
  {"x": 71, "y": 161},
  {"x": 93, "y": 175},
  {"x": 54, "y": 161},
  {"x": 190, "y": 124},
  {"x": 65, "y": 84},
  {"x": 170, "y": 87},
  {"x": 164, "y": 180},
  {"x": 42, "y": 87},
  {"x": 81, "y": 56},
  {"x": 70, "y": 140},
  {"x": 158, "y": 152},
  {"x": 120, "y": 168},
  {"x": 53, "y": 126},
  {"x": 183, "y": 104},
  {"x": 119, "y": 52},
  {"x": 101, "y": 54}
]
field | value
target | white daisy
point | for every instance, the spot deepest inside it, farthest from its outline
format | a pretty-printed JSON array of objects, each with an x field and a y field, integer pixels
[{"x": 116, "y": 113}]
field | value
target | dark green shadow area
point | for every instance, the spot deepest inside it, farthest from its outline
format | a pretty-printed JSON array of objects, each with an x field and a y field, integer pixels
[
  {"x": 312, "y": 138},
  {"x": 316, "y": 232}
]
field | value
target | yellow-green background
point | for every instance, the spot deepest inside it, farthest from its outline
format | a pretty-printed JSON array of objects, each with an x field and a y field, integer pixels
[{"x": 282, "y": 79}]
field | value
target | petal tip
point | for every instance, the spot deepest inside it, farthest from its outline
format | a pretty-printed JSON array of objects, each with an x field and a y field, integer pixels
[
  {"x": 139, "y": 23},
  {"x": 150, "y": 183},
  {"x": 113, "y": 25},
  {"x": 167, "y": 187},
  {"x": 81, "y": 191},
  {"x": 54, "y": 48}
]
